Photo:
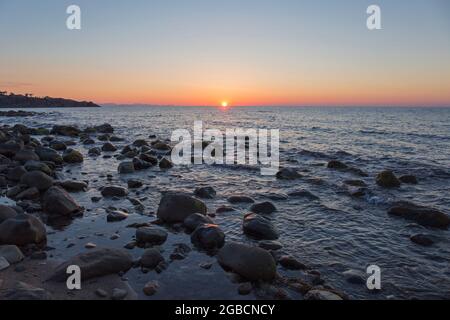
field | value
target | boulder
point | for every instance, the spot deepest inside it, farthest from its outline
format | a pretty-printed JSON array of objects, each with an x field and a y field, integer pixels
[
  {"x": 126, "y": 167},
  {"x": 428, "y": 217},
  {"x": 74, "y": 186},
  {"x": 196, "y": 219},
  {"x": 33, "y": 165},
  {"x": 109, "y": 147},
  {"x": 408, "y": 179},
  {"x": 28, "y": 194},
  {"x": 164, "y": 163},
  {"x": 9, "y": 149},
  {"x": 48, "y": 154},
  {"x": 94, "y": 151},
  {"x": 151, "y": 235},
  {"x": 6, "y": 213},
  {"x": 114, "y": 191},
  {"x": 208, "y": 237},
  {"x": 420, "y": 239},
  {"x": 148, "y": 158},
  {"x": 288, "y": 174},
  {"x": 290, "y": 263},
  {"x": 151, "y": 258},
  {"x": 21, "y": 230},
  {"x": 134, "y": 184},
  {"x": 240, "y": 199},
  {"x": 387, "y": 179},
  {"x": 16, "y": 173},
  {"x": 37, "y": 179},
  {"x": 263, "y": 208},
  {"x": 56, "y": 201},
  {"x": 95, "y": 263},
  {"x": 336, "y": 164},
  {"x": 26, "y": 155},
  {"x": 175, "y": 207},
  {"x": 72, "y": 156},
  {"x": 104, "y": 128},
  {"x": 205, "y": 192},
  {"x": 115, "y": 216},
  {"x": 252, "y": 263},
  {"x": 58, "y": 145},
  {"x": 70, "y": 131},
  {"x": 259, "y": 227}
]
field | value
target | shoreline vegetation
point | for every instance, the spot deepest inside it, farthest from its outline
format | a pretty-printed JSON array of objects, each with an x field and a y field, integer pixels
[{"x": 27, "y": 101}]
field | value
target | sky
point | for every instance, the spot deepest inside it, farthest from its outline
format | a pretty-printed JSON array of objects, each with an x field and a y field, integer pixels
[{"x": 252, "y": 52}]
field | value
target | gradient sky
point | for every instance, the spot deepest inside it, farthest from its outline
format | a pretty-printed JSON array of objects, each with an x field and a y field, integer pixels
[{"x": 247, "y": 52}]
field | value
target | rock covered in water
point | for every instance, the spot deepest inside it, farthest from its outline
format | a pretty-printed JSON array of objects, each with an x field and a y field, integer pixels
[
  {"x": 263, "y": 208},
  {"x": 288, "y": 174},
  {"x": 387, "y": 179},
  {"x": 291, "y": 263},
  {"x": 259, "y": 227},
  {"x": 175, "y": 207},
  {"x": 56, "y": 201},
  {"x": 208, "y": 236},
  {"x": 252, "y": 263},
  {"x": 408, "y": 179},
  {"x": 205, "y": 192},
  {"x": 240, "y": 199},
  {"x": 115, "y": 216},
  {"x": 428, "y": 217},
  {"x": 420, "y": 239},
  {"x": 21, "y": 230},
  {"x": 151, "y": 235},
  {"x": 126, "y": 167},
  {"x": 336, "y": 164},
  {"x": 114, "y": 191},
  {"x": 301, "y": 193},
  {"x": 37, "y": 179},
  {"x": 95, "y": 263}
]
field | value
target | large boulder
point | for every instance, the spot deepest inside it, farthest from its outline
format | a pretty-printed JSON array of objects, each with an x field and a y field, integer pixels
[
  {"x": 56, "y": 201},
  {"x": 37, "y": 179},
  {"x": 428, "y": 217},
  {"x": 6, "y": 213},
  {"x": 259, "y": 227},
  {"x": 252, "y": 263},
  {"x": 114, "y": 191},
  {"x": 175, "y": 207},
  {"x": 208, "y": 236},
  {"x": 95, "y": 263},
  {"x": 21, "y": 230},
  {"x": 387, "y": 179}
]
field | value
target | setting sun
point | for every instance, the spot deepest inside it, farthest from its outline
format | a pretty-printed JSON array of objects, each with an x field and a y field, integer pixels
[{"x": 224, "y": 104}]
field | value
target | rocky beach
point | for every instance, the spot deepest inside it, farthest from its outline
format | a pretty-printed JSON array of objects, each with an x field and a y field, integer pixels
[{"x": 107, "y": 198}]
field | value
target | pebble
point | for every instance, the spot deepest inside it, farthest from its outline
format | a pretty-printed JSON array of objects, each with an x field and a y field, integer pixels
[
  {"x": 90, "y": 245},
  {"x": 151, "y": 288}
]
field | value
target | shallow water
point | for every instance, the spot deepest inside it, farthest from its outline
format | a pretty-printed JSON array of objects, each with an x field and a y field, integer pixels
[{"x": 332, "y": 234}]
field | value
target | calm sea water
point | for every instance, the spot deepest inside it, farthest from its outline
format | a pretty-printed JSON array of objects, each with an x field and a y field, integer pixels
[{"x": 332, "y": 234}]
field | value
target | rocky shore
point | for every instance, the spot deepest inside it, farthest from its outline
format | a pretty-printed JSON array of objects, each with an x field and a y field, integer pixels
[{"x": 38, "y": 204}]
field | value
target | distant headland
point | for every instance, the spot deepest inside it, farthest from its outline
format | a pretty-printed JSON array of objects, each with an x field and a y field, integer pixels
[{"x": 12, "y": 100}]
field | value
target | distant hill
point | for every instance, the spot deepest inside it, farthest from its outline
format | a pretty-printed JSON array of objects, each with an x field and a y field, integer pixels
[{"x": 28, "y": 101}]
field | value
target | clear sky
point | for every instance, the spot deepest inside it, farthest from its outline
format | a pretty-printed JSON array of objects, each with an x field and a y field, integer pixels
[{"x": 247, "y": 52}]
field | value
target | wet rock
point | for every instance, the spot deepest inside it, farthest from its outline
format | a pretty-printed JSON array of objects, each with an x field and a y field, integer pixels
[
  {"x": 151, "y": 235},
  {"x": 74, "y": 186},
  {"x": 290, "y": 263},
  {"x": 6, "y": 213},
  {"x": 303, "y": 194},
  {"x": 252, "y": 263},
  {"x": 119, "y": 294},
  {"x": 101, "y": 293},
  {"x": 320, "y": 294},
  {"x": 72, "y": 156},
  {"x": 70, "y": 131},
  {"x": 95, "y": 151},
  {"x": 428, "y": 217},
  {"x": 195, "y": 220},
  {"x": 245, "y": 288},
  {"x": 88, "y": 141},
  {"x": 140, "y": 164},
  {"x": 26, "y": 155},
  {"x": 104, "y": 137},
  {"x": 420, "y": 239},
  {"x": 56, "y": 201},
  {"x": 275, "y": 196},
  {"x": 164, "y": 163},
  {"x": 116, "y": 216},
  {"x": 223, "y": 209},
  {"x": 240, "y": 199},
  {"x": 4, "y": 264},
  {"x": 90, "y": 245},
  {"x": 355, "y": 183},
  {"x": 263, "y": 208},
  {"x": 38, "y": 166},
  {"x": 354, "y": 277},
  {"x": 21, "y": 230},
  {"x": 28, "y": 194},
  {"x": 205, "y": 192},
  {"x": 47, "y": 154},
  {"x": 158, "y": 145},
  {"x": 114, "y": 191},
  {"x": 387, "y": 179},
  {"x": 37, "y": 179},
  {"x": 96, "y": 263},
  {"x": 149, "y": 159},
  {"x": 58, "y": 145},
  {"x": 208, "y": 237},
  {"x": 259, "y": 227},
  {"x": 134, "y": 184},
  {"x": 16, "y": 173},
  {"x": 151, "y": 288},
  {"x": 11, "y": 253},
  {"x": 175, "y": 207},
  {"x": 24, "y": 291},
  {"x": 126, "y": 167},
  {"x": 9, "y": 149},
  {"x": 104, "y": 128},
  {"x": 270, "y": 245},
  {"x": 408, "y": 179},
  {"x": 180, "y": 252},
  {"x": 39, "y": 255},
  {"x": 288, "y": 174},
  {"x": 140, "y": 143},
  {"x": 109, "y": 147},
  {"x": 151, "y": 258},
  {"x": 335, "y": 164}
]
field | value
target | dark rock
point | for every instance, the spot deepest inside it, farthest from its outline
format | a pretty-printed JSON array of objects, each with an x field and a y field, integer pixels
[
  {"x": 208, "y": 237},
  {"x": 9, "y": 149},
  {"x": 158, "y": 145},
  {"x": 252, "y": 263},
  {"x": 28, "y": 194},
  {"x": 72, "y": 156},
  {"x": 109, "y": 147},
  {"x": 70, "y": 131},
  {"x": 151, "y": 288},
  {"x": 47, "y": 154},
  {"x": 387, "y": 179},
  {"x": 354, "y": 277},
  {"x": 321, "y": 294},
  {"x": 56, "y": 201},
  {"x": 16, "y": 173},
  {"x": 104, "y": 128},
  {"x": 151, "y": 258},
  {"x": 11, "y": 253},
  {"x": 259, "y": 227},
  {"x": 114, "y": 191},
  {"x": 196, "y": 219},
  {"x": 355, "y": 183},
  {"x": 291, "y": 263},
  {"x": 140, "y": 143},
  {"x": 26, "y": 155},
  {"x": 409, "y": 179},
  {"x": 74, "y": 186},
  {"x": 288, "y": 174},
  {"x": 422, "y": 239},
  {"x": 270, "y": 245},
  {"x": 38, "y": 166},
  {"x": 335, "y": 164},
  {"x": 6, "y": 213},
  {"x": 95, "y": 151},
  {"x": 117, "y": 215},
  {"x": 428, "y": 217},
  {"x": 224, "y": 209},
  {"x": 240, "y": 199},
  {"x": 175, "y": 207},
  {"x": 126, "y": 167},
  {"x": 58, "y": 145},
  {"x": 151, "y": 235},
  {"x": 24, "y": 291},
  {"x": 205, "y": 192},
  {"x": 245, "y": 288},
  {"x": 263, "y": 208},
  {"x": 149, "y": 159},
  {"x": 37, "y": 179},
  {"x": 134, "y": 184},
  {"x": 21, "y": 230},
  {"x": 303, "y": 194},
  {"x": 164, "y": 163},
  {"x": 95, "y": 263}
]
